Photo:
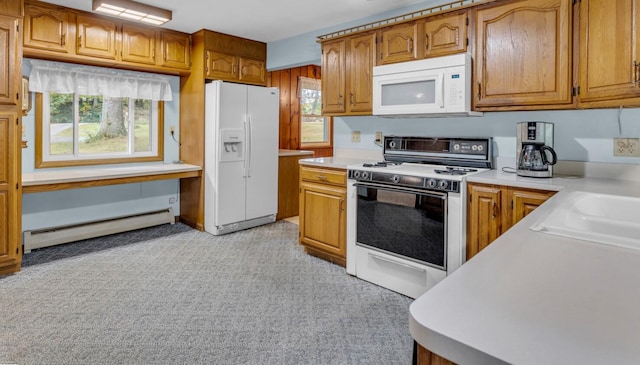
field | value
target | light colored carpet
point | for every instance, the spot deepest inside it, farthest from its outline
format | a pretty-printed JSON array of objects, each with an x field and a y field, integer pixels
[{"x": 173, "y": 295}]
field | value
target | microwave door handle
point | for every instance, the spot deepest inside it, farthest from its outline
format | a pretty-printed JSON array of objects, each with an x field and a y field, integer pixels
[{"x": 442, "y": 93}]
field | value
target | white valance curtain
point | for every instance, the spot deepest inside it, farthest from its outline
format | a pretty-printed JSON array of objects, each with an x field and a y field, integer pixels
[
  {"x": 307, "y": 83},
  {"x": 63, "y": 78}
]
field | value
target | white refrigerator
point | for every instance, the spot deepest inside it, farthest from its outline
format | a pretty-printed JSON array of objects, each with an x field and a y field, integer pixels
[{"x": 241, "y": 156}]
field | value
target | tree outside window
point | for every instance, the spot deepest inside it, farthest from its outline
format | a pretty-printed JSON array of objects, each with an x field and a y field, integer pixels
[{"x": 77, "y": 127}]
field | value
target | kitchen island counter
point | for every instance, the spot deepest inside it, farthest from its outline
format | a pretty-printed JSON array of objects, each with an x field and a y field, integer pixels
[{"x": 535, "y": 298}]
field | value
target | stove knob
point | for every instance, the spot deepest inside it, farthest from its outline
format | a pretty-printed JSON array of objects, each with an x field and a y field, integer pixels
[
  {"x": 356, "y": 174},
  {"x": 431, "y": 183},
  {"x": 395, "y": 178},
  {"x": 365, "y": 175},
  {"x": 443, "y": 184}
]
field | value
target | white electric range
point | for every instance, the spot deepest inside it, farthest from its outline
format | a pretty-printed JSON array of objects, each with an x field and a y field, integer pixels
[{"x": 406, "y": 215}]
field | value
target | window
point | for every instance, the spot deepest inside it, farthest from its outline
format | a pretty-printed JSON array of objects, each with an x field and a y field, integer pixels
[
  {"x": 315, "y": 129},
  {"x": 86, "y": 115}
]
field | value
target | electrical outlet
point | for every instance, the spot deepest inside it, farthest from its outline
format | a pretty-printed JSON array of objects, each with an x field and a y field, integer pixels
[
  {"x": 626, "y": 147},
  {"x": 172, "y": 129},
  {"x": 379, "y": 137},
  {"x": 355, "y": 137}
]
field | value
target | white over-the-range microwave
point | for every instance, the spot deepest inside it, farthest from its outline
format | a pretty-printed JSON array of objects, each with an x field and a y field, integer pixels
[{"x": 433, "y": 87}]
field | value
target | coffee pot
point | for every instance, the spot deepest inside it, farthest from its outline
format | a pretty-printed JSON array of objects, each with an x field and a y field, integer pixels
[
  {"x": 535, "y": 154},
  {"x": 533, "y": 158}
]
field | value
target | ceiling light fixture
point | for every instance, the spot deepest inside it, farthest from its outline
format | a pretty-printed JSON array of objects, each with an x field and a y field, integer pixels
[{"x": 133, "y": 11}]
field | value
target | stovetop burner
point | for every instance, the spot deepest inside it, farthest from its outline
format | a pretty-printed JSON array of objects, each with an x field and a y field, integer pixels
[
  {"x": 381, "y": 164},
  {"x": 454, "y": 171}
]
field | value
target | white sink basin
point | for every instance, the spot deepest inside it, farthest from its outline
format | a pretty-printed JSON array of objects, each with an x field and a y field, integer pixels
[{"x": 603, "y": 218}]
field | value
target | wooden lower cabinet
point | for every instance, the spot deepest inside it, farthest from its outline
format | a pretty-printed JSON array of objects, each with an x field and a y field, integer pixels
[
  {"x": 322, "y": 219},
  {"x": 289, "y": 183},
  {"x": 426, "y": 357},
  {"x": 493, "y": 209},
  {"x": 10, "y": 212}
]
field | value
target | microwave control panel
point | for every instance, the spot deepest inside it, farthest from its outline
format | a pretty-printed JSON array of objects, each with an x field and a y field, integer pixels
[{"x": 455, "y": 88}]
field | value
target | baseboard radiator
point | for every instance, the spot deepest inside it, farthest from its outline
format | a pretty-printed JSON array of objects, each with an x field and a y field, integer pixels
[{"x": 32, "y": 240}]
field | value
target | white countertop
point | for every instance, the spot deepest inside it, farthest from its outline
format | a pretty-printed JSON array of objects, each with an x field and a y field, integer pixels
[
  {"x": 57, "y": 176},
  {"x": 534, "y": 298},
  {"x": 286, "y": 153},
  {"x": 333, "y": 162}
]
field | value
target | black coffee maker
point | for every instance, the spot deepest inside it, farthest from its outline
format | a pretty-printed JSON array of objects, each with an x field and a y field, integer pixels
[{"x": 534, "y": 151}]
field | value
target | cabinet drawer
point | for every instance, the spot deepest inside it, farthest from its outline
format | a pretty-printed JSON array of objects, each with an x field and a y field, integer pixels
[{"x": 323, "y": 176}]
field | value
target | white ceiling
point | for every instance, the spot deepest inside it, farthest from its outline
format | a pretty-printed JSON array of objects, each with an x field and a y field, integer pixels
[{"x": 262, "y": 20}]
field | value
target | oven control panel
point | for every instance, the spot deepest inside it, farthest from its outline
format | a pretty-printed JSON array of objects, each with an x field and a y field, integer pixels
[{"x": 417, "y": 182}]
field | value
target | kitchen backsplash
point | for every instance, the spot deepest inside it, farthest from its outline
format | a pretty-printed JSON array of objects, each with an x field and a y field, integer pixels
[{"x": 580, "y": 135}]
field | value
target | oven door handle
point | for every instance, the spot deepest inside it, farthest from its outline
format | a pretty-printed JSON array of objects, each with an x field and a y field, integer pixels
[
  {"x": 434, "y": 194},
  {"x": 384, "y": 259}
]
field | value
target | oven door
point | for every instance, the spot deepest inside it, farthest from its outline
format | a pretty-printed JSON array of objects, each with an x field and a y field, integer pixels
[{"x": 403, "y": 222}]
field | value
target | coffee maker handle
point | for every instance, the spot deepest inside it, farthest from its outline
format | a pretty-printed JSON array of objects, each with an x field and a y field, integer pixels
[{"x": 553, "y": 155}]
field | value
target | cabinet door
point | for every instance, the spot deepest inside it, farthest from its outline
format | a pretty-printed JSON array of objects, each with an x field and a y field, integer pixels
[
  {"x": 484, "y": 217},
  {"x": 360, "y": 59},
  {"x": 138, "y": 44},
  {"x": 322, "y": 218},
  {"x": 48, "y": 28},
  {"x": 333, "y": 77},
  {"x": 9, "y": 59},
  {"x": 96, "y": 37},
  {"x": 447, "y": 35},
  {"x": 176, "y": 50},
  {"x": 252, "y": 71},
  {"x": 524, "y": 202},
  {"x": 609, "y": 47},
  {"x": 523, "y": 54},
  {"x": 221, "y": 66},
  {"x": 10, "y": 256},
  {"x": 11, "y": 7},
  {"x": 399, "y": 43}
]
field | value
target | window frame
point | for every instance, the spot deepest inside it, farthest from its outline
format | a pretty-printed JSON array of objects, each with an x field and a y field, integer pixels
[
  {"x": 328, "y": 126},
  {"x": 40, "y": 140}
]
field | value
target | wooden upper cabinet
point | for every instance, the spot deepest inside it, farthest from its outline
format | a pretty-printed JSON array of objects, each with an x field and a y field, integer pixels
[
  {"x": 11, "y": 7},
  {"x": 399, "y": 43},
  {"x": 9, "y": 58},
  {"x": 96, "y": 37},
  {"x": 347, "y": 75},
  {"x": 523, "y": 54},
  {"x": 234, "y": 59},
  {"x": 252, "y": 71},
  {"x": 176, "y": 50},
  {"x": 63, "y": 34},
  {"x": 609, "y": 50},
  {"x": 220, "y": 65},
  {"x": 138, "y": 44},
  {"x": 230, "y": 67},
  {"x": 445, "y": 35},
  {"x": 333, "y": 77},
  {"x": 359, "y": 66},
  {"x": 49, "y": 28}
]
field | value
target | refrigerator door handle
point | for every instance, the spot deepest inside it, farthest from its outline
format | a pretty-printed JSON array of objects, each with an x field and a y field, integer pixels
[{"x": 248, "y": 146}]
